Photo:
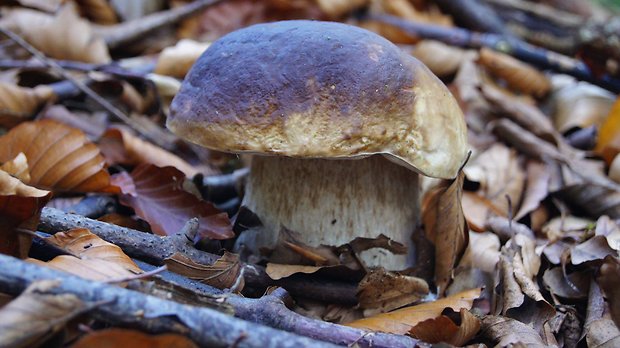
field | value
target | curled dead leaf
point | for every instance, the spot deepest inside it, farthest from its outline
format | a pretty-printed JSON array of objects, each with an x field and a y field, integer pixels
[
  {"x": 518, "y": 75},
  {"x": 17, "y": 104},
  {"x": 82, "y": 243},
  {"x": 506, "y": 332},
  {"x": 450, "y": 327},
  {"x": 20, "y": 204},
  {"x": 35, "y": 316},
  {"x": 445, "y": 226},
  {"x": 337, "y": 8},
  {"x": 593, "y": 198},
  {"x": 442, "y": 59},
  {"x": 580, "y": 105},
  {"x": 224, "y": 273},
  {"x": 98, "y": 11},
  {"x": 62, "y": 36},
  {"x": 402, "y": 320},
  {"x": 59, "y": 157},
  {"x": 157, "y": 196},
  {"x": 120, "y": 146},
  {"x": 383, "y": 291},
  {"x": 176, "y": 60},
  {"x": 573, "y": 286},
  {"x": 17, "y": 167}
]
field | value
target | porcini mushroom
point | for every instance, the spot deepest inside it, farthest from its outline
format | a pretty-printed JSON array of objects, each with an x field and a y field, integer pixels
[{"x": 340, "y": 120}]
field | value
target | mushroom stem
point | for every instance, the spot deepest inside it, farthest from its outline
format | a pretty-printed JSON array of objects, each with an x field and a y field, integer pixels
[{"x": 332, "y": 202}]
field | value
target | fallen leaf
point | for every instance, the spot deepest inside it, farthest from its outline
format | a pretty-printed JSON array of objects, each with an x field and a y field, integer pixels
[
  {"x": 478, "y": 210},
  {"x": 445, "y": 226},
  {"x": 506, "y": 229},
  {"x": 277, "y": 271},
  {"x": 525, "y": 141},
  {"x": 92, "y": 269},
  {"x": 595, "y": 248},
  {"x": 402, "y": 320},
  {"x": 500, "y": 177},
  {"x": 507, "y": 332},
  {"x": 335, "y": 9},
  {"x": 18, "y": 104},
  {"x": 603, "y": 333},
  {"x": 83, "y": 244},
  {"x": 443, "y": 60},
  {"x": 157, "y": 196},
  {"x": 572, "y": 286},
  {"x": 580, "y": 105},
  {"x": 34, "y": 316},
  {"x": 111, "y": 338},
  {"x": 119, "y": 146},
  {"x": 61, "y": 36},
  {"x": 452, "y": 328},
  {"x": 176, "y": 60},
  {"x": 594, "y": 199},
  {"x": 562, "y": 226},
  {"x": 482, "y": 252},
  {"x": 610, "y": 230},
  {"x": 98, "y": 11},
  {"x": 17, "y": 167},
  {"x": 536, "y": 189},
  {"x": 609, "y": 281},
  {"x": 60, "y": 158},
  {"x": 383, "y": 291},
  {"x": 608, "y": 141},
  {"x": 518, "y": 75},
  {"x": 223, "y": 273},
  {"x": 20, "y": 204}
]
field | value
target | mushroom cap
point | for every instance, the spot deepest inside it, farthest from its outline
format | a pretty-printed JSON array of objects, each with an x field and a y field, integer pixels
[{"x": 319, "y": 90}]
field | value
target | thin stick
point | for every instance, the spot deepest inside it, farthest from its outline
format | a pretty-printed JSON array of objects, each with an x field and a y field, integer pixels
[
  {"x": 519, "y": 49},
  {"x": 81, "y": 86}
]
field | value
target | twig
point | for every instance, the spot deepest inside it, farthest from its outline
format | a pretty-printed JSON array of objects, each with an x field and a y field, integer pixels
[
  {"x": 519, "y": 49},
  {"x": 475, "y": 15},
  {"x": 271, "y": 310},
  {"x": 155, "y": 249},
  {"x": 207, "y": 327},
  {"x": 126, "y": 32},
  {"x": 82, "y": 87},
  {"x": 93, "y": 206}
]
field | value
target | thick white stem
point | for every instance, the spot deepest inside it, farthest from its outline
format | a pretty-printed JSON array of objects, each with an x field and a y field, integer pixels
[{"x": 332, "y": 202}]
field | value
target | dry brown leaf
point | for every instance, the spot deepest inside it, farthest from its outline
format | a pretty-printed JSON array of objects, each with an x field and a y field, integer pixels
[
  {"x": 98, "y": 11},
  {"x": 559, "y": 227},
  {"x": 443, "y": 60},
  {"x": 120, "y": 146},
  {"x": 111, "y": 338},
  {"x": 17, "y": 167},
  {"x": 593, "y": 198},
  {"x": 82, "y": 243},
  {"x": 176, "y": 60},
  {"x": 610, "y": 230},
  {"x": 478, "y": 210},
  {"x": 157, "y": 196},
  {"x": 609, "y": 281},
  {"x": 482, "y": 252},
  {"x": 20, "y": 205},
  {"x": 445, "y": 226},
  {"x": 337, "y": 8},
  {"x": 224, "y": 273},
  {"x": 18, "y": 104},
  {"x": 608, "y": 141},
  {"x": 62, "y": 36},
  {"x": 507, "y": 332},
  {"x": 594, "y": 249},
  {"x": 59, "y": 157},
  {"x": 603, "y": 333},
  {"x": 580, "y": 105},
  {"x": 536, "y": 189},
  {"x": 277, "y": 271},
  {"x": 34, "y": 316},
  {"x": 92, "y": 269},
  {"x": 500, "y": 176},
  {"x": 520, "y": 76},
  {"x": 402, "y": 320},
  {"x": 382, "y": 291},
  {"x": 572, "y": 286},
  {"x": 452, "y": 328}
]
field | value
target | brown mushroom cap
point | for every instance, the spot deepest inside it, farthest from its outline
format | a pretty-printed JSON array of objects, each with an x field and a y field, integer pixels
[{"x": 320, "y": 90}]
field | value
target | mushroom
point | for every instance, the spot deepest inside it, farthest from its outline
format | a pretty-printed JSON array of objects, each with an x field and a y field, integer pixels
[{"x": 340, "y": 122}]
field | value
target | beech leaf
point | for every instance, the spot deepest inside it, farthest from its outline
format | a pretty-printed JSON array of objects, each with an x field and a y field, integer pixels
[
  {"x": 60, "y": 158},
  {"x": 34, "y": 316},
  {"x": 445, "y": 329},
  {"x": 384, "y": 291},
  {"x": 507, "y": 332},
  {"x": 223, "y": 273},
  {"x": 445, "y": 226},
  {"x": 157, "y": 196},
  {"x": 17, "y": 104},
  {"x": 402, "y": 320},
  {"x": 19, "y": 204}
]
